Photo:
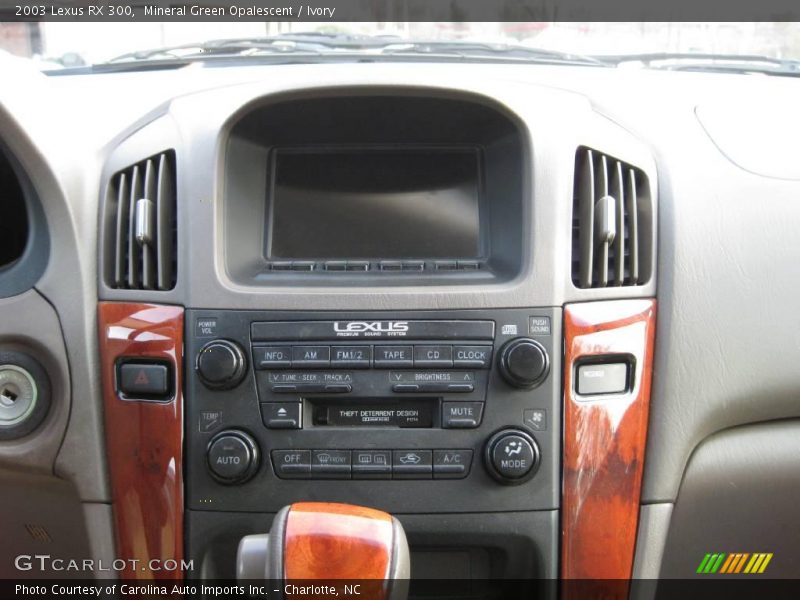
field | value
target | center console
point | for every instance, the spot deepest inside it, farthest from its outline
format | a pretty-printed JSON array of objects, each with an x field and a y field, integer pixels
[
  {"x": 414, "y": 413},
  {"x": 448, "y": 419}
]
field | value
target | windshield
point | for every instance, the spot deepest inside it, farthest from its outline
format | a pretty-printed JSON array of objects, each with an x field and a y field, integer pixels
[{"x": 56, "y": 45}]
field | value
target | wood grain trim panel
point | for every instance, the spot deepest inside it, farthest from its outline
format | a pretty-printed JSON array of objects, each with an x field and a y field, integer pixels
[
  {"x": 144, "y": 439},
  {"x": 337, "y": 541},
  {"x": 604, "y": 441}
]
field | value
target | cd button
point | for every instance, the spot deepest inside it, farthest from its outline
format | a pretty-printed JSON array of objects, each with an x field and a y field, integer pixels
[
  {"x": 433, "y": 356},
  {"x": 311, "y": 356}
]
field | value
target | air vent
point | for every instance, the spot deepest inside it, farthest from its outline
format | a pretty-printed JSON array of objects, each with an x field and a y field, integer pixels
[
  {"x": 142, "y": 224},
  {"x": 612, "y": 226}
]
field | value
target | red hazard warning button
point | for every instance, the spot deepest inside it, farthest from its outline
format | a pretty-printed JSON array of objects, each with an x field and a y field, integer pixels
[{"x": 143, "y": 380}]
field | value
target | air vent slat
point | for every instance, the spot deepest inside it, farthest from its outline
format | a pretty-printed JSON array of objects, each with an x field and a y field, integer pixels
[
  {"x": 142, "y": 245},
  {"x": 120, "y": 231},
  {"x": 165, "y": 196},
  {"x": 618, "y": 191},
  {"x": 633, "y": 227},
  {"x": 134, "y": 256},
  {"x": 145, "y": 215},
  {"x": 612, "y": 229},
  {"x": 586, "y": 208},
  {"x": 602, "y": 223}
]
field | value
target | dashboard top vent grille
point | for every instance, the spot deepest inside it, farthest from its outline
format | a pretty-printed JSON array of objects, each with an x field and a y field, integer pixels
[
  {"x": 142, "y": 225},
  {"x": 612, "y": 227}
]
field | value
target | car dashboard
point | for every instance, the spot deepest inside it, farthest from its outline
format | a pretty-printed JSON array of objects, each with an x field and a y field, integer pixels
[{"x": 531, "y": 311}]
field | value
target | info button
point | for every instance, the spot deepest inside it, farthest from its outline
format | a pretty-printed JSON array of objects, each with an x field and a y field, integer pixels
[{"x": 272, "y": 357}]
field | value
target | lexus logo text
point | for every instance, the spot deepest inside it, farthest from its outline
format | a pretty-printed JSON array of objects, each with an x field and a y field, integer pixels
[{"x": 370, "y": 327}]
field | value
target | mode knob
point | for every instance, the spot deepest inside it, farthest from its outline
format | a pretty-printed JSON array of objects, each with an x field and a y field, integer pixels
[
  {"x": 232, "y": 457},
  {"x": 512, "y": 456},
  {"x": 221, "y": 364},
  {"x": 524, "y": 363}
]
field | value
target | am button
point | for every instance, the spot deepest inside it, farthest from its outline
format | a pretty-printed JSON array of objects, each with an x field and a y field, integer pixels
[{"x": 311, "y": 356}]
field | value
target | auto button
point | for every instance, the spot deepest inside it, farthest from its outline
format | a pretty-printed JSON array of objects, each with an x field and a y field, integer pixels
[{"x": 232, "y": 457}]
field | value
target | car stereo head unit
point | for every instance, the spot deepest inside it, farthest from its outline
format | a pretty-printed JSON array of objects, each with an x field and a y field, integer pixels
[{"x": 373, "y": 404}]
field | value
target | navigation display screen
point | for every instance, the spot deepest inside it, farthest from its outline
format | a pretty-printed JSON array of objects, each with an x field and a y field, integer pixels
[{"x": 374, "y": 203}]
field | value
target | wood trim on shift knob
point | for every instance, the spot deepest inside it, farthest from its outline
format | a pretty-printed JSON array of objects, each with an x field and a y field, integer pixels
[
  {"x": 144, "y": 439},
  {"x": 604, "y": 441},
  {"x": 337, "y": 541}
]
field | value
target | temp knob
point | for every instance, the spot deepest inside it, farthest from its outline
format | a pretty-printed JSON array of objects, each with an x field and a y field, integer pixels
[
  {"x": 524, "y": 363},
  {"x": 232, "y": 457},
  {"x": 512, "y": 456},
  {"x": 221, "y": 364}
]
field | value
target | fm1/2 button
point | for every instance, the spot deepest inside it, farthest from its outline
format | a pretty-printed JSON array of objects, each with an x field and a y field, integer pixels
[
  {"x": 232, "y": 457},
  {"x": 512, "y": 456}
]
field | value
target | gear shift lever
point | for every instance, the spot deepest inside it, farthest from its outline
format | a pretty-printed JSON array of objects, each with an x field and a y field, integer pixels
[{"x": 319, "y": 540}]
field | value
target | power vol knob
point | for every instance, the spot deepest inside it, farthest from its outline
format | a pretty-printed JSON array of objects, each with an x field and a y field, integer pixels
[
  {"x": 524, "y": 363},
  {"x": 221, "y": 364}
]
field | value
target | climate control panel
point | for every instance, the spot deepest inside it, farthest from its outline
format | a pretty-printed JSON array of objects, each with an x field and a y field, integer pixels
[{"x": 407, "y": 409}]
